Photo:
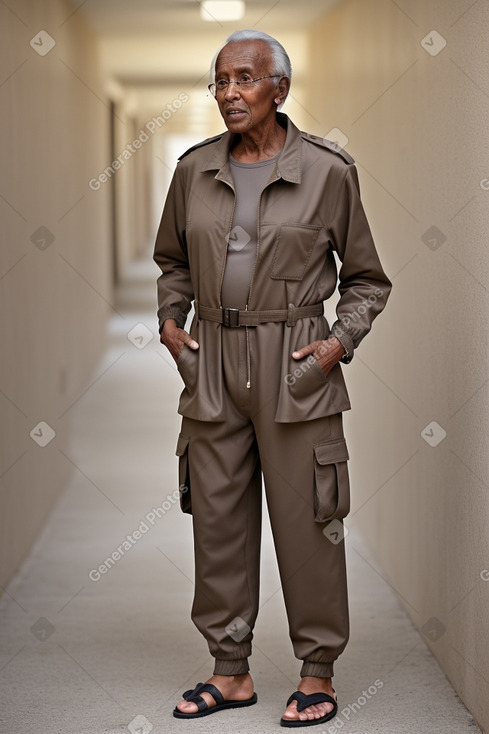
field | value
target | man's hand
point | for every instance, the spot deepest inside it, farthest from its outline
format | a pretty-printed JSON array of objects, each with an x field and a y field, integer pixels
[
  {"x": 327, "y": 352},
  {"x": 174, "y": 339}
]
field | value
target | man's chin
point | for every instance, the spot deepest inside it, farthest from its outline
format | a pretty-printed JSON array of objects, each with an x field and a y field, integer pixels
[{"x": 236, "y": 124}]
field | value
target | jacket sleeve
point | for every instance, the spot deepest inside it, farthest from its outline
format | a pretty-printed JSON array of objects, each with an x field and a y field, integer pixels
[
  {"x": 363, "y": 285},
  {"x": 174, "y": 285}
]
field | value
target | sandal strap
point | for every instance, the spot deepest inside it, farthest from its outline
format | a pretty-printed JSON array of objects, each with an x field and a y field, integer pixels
[
  {"x": 195, "y": 697},
  {"x": 187, "y": 694},
  {"x": 304, "y": 700}
]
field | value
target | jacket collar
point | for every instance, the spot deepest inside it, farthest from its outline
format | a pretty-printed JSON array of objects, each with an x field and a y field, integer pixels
[{"x": 288, "y": 164}]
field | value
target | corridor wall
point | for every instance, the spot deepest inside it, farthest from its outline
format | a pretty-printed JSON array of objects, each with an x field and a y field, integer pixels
[{"x": 55, "y": 261}]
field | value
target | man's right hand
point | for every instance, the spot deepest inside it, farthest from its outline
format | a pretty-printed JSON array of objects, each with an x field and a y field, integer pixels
[{"x": 174, "y": 339}]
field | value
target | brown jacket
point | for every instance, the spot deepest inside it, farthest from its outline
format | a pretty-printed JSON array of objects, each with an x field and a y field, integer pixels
[{"x": 309, "y": 209}]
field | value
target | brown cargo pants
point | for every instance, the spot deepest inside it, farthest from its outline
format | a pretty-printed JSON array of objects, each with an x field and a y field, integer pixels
[{"x": 306, "y": 480}]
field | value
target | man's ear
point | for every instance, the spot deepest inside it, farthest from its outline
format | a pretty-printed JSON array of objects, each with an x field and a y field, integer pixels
[{"x": 283, "y": 86}]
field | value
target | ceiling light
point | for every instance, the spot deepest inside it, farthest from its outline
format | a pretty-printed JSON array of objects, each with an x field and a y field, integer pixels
[{"x": 213, "y": 10}]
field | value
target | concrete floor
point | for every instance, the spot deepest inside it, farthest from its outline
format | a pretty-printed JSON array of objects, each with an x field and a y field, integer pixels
[{"x": 83, "y": 656}]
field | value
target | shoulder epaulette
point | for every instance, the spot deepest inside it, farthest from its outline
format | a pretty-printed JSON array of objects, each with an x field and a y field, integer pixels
[
  {"x": 200, "y": 145},
  {"x": 329, "y": 145}
]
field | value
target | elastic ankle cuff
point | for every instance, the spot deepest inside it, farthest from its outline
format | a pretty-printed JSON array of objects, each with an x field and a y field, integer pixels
[
  {"x": 231, "y": 667},
  {"x": 317, "y": 670}
]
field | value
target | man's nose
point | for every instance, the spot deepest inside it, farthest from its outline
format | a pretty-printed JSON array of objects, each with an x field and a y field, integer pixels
[{"x": 232, "y": 92}]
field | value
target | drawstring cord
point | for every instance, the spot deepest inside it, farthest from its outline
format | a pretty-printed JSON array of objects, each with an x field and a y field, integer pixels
[{"x": 248, "y": 357}]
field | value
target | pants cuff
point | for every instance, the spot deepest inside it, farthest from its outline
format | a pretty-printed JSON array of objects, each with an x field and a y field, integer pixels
[
  {"x": 317, "y": 670},
  {"x": 231, "y": 667}
]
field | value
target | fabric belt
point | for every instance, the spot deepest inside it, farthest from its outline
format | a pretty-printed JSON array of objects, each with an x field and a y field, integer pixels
[{"x": 234, "y": 317}]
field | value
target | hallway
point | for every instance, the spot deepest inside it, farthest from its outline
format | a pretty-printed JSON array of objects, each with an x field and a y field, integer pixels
[
  {"x": 98, "y": 100},
  {"x": 82, "y": 656}
]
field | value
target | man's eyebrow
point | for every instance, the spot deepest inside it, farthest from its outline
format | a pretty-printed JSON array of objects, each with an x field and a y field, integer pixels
[{"x": 242, "y": 69}]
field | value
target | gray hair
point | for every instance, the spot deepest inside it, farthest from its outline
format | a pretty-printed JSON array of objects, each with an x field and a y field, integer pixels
[{"x": 280, "y": 57}]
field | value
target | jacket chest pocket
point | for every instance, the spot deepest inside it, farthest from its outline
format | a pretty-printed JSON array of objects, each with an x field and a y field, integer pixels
[
  {"x": 332, "y": 484},
  {"x": 292, "y": 251}
]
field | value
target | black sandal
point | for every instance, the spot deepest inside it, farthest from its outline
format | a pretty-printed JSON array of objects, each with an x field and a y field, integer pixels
[
  {"x": 303, "y": 701},
  {"x": 204, "y": 708}
]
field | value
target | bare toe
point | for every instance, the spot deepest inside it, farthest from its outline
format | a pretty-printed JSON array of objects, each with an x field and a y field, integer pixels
[
  {"x": 291, "y": 712},
  {"x": 187, "y": 707}
]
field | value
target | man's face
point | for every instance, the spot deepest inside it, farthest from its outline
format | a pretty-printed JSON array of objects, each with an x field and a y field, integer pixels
[{"x": 245, "y": 110}]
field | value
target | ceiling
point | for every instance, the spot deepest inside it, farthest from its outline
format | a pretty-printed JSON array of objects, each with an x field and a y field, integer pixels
[{"x": 130, "y": 17}]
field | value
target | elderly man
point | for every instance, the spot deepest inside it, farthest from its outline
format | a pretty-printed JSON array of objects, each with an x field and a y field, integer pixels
[{"x": 248, "y": 233}]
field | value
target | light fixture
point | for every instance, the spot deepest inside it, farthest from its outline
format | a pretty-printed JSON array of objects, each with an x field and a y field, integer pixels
[{"x": 212, "y": 10}]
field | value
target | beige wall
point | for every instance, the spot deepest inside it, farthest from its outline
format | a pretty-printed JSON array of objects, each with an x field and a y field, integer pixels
[
  {"x": 53, "y": 301},
  {"x": 417, "y": 127}
]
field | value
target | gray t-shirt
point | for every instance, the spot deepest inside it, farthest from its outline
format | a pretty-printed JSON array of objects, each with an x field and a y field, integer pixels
[{"x": 249, "y": 180}]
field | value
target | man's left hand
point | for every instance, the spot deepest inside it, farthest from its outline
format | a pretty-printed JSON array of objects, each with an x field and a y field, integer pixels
[{"x": 327, "y": 352}]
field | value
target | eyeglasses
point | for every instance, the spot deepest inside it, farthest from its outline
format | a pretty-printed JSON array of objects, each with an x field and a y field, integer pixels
[{"x": 222, "y": 85}]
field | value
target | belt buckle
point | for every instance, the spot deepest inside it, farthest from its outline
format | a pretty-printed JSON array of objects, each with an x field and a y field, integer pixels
[{"x": 230, "y": 317}]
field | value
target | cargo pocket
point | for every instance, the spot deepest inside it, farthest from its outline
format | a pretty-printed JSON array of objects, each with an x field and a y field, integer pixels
[
  {"x": 332, "y": 484},
  {"x": 183, "y": 473}
]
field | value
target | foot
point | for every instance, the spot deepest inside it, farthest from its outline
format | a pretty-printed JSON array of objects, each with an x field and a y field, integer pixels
[
  {"x": 310, "y": 685},
  {"x": 232, "y": 687}
]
